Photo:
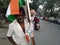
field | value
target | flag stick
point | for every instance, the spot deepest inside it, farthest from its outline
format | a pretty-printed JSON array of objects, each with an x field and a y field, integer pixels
[{"x": 28, "y": 9}]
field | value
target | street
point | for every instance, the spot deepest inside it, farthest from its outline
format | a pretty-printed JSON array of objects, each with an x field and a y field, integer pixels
[
  {"x": 49, "y": 34},
  {"x": 3, "y": 38}
]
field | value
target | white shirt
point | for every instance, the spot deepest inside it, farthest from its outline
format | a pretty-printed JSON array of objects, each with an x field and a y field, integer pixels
[
  {"x": 15, "y": 31},
  {"x": 32, "y": 18}
]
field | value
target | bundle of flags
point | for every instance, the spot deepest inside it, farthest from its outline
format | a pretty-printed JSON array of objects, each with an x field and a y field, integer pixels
[{"x": 13, "y": 8}]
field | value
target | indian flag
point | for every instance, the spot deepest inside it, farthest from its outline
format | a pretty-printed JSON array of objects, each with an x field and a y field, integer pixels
[{"x": 13, "y": 8}]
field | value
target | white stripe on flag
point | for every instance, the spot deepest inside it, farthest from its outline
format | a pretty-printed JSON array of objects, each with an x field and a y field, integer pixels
[{"x": 8, "y": 11}]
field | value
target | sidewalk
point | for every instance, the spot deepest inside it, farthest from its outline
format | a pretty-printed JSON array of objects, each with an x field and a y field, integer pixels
[
  {"x": 4, "y": 25},
  {"x": 3, "y": 32}
]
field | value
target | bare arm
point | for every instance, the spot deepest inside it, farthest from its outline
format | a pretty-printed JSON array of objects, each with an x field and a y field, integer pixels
[
  {"x": 12, "y": 41},
  {"x": 10, "y": 33}
]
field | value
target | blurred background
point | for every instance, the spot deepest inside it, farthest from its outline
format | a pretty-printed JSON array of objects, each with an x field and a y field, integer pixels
[
  {"x": 46, "y": 9},
  {"x": 48, "y": 12}
]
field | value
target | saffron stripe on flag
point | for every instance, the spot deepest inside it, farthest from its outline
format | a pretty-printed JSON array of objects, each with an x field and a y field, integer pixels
[{"x": 14, "y": 7}]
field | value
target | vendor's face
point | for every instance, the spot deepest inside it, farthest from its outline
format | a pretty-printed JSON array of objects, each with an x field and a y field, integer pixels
[{"x": 20, "y": 18}]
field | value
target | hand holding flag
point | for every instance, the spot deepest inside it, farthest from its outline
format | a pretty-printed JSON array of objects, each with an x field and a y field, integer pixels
[{"x": 27, "y": 37}]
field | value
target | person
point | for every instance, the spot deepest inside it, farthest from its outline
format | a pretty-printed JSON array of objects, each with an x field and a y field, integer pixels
[
  {"x": 34, "y": 19},
  {"x": 33, "y": 14},
  {"x": 18, "y": 28},
  {"x": 36, "y": 24}
]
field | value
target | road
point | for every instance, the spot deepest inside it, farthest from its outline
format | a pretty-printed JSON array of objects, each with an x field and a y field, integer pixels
[
  {"x": 49, "y": 34},
  {"x": 3, "y": 38}
]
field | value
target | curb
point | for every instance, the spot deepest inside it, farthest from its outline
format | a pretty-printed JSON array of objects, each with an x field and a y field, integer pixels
[{"x": 3, "y": 26}]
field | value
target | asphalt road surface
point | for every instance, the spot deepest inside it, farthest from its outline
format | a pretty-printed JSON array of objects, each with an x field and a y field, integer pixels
[{"x": 49, "y": 34}]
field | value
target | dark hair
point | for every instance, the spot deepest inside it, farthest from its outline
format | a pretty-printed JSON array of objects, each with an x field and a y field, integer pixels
[{"x": 21, "y": 9}]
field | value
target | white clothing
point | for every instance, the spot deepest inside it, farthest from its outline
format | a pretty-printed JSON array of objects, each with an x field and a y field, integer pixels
[
  {"x": 15, "y": 31},
  {"x": 32, "y": 18}
]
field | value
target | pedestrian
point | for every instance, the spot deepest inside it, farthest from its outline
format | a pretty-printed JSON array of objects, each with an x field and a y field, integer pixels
[
  {"x": 33, "y": 14},
  {"x": 18, "y": 29},
  {"x": 36, "y": 24}
]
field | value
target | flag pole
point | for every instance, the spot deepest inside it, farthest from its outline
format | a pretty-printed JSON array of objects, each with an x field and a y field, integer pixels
[
  {"x": 29, "y": 17},
  {"x": 28, "y": 9}
]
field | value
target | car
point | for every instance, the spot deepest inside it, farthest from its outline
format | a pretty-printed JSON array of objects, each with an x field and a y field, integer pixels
[
  {"x": 41, "y": 18},
  {"x": 57, "y": 20},
  {"x": 51, "y": 19},
  {"x": 46, "y": 18}
]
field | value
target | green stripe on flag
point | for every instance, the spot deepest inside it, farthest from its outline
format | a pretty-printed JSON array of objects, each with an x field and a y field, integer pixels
[
  {"x": 21, "y": 3},
  {"x": 11, "y": 18}
]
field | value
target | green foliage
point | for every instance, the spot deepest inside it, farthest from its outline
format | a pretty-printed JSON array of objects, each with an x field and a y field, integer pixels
[
  {"x": 35, "y": 4},
  {"x": 50, "y": 6},
  {"x": 4, "y": 3},
  {"x": 3, "y": 6}
]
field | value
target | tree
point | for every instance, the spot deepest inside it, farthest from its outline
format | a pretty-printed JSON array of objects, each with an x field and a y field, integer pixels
[
  {"x": 35, "y": 4},
  {"x": 3, "y": 5},
  {"x": 50, "y": 6}
]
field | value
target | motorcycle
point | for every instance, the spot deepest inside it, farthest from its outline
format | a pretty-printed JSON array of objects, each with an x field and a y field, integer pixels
[{"x": 36, "y": 24}]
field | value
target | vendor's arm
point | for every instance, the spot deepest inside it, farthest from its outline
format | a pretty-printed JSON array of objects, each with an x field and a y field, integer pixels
[
  {"x": 11, "y": 40},
  {"x": 9, "y": 34}
]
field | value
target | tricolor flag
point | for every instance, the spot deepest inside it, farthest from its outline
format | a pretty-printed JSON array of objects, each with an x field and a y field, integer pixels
[{"x": 13, "y": 8}]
